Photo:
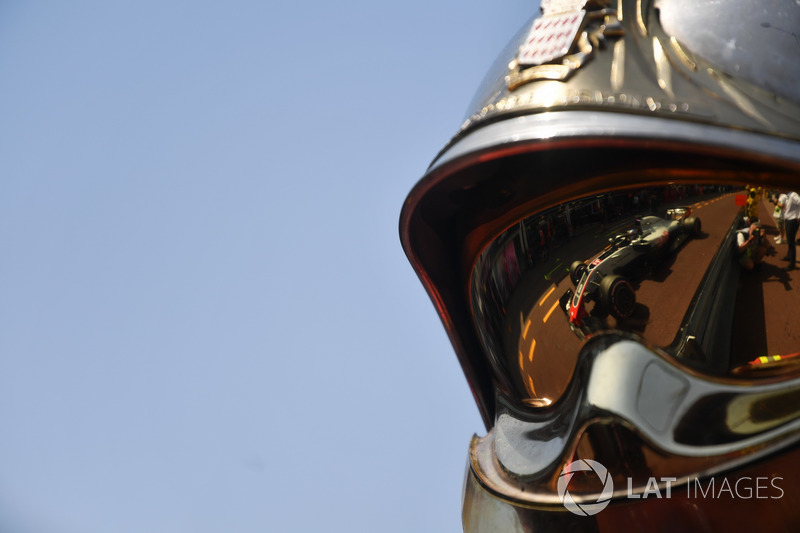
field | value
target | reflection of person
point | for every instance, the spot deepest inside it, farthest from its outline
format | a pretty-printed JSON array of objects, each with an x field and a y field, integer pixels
[
  {"x": 752, "y": 246},
  {"x": 780, "y": 202},
  {"x": 791, "y": 214},
  {"x": 752, "y": 206}
]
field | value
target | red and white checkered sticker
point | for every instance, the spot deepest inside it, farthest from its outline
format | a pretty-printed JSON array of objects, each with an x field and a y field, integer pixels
[{"x": 551, "y": 38}]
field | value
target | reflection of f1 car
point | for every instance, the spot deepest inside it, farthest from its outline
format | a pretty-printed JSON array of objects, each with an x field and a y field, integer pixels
[{"x": 632, "y": 254}]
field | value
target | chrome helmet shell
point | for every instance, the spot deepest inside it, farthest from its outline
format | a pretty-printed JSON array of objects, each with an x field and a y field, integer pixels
[{"x": 592, "y": 104}]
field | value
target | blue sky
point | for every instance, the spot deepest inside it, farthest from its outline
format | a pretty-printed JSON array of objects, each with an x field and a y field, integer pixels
[{"x": 209, "y": 323}]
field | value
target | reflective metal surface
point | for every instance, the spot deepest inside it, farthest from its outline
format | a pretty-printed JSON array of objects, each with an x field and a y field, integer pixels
[
  {"x": 648, "y": 106},
  {"x": 767, "y": 504},
  {"x": 587, "y": 237},
  {"x": 757, "y": 43},
  {"x": 733, "y": 64},
  {"x": 621, "y": 382}
]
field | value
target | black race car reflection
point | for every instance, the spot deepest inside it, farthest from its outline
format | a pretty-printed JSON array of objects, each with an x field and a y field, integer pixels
[{"x": 605, "y": 281}]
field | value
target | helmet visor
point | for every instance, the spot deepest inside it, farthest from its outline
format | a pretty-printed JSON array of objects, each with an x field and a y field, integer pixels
[{"x": 692, "y": 260}]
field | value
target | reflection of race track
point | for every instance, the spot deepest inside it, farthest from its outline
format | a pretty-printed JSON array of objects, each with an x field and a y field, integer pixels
[{"x": 547, "y": 347}]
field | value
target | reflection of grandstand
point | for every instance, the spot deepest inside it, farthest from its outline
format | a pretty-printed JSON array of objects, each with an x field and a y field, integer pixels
[{"x": 540, "y": 234}]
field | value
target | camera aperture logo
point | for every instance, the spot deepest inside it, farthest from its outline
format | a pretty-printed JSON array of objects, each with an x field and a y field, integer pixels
[{"x": 585, "y": 509}]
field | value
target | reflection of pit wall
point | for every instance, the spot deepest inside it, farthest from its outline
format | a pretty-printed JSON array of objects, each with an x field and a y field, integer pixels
[
  {"x": 707, "y": 326},
  {"x": 492, "y": 290},
  {"x": 497, "y": 275},
  {"x": 505, "y": 262}
]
